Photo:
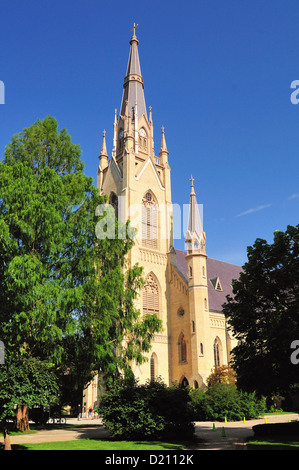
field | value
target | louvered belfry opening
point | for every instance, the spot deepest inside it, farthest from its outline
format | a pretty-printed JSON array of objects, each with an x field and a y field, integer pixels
[
  {"x": 150, "y": 296},
  {"x": 149, "y": 221}
]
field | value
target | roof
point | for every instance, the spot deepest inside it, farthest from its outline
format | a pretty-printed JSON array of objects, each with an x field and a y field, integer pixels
[{"x": 226, "y": 272}]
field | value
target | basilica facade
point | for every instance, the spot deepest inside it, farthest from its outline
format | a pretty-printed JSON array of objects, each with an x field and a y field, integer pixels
[{"x": 185, "y": 289}]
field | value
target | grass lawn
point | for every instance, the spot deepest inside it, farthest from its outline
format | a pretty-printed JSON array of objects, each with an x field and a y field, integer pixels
[
  {"x": 271, "y": 444},
  {"x": 93, "y": 444}
]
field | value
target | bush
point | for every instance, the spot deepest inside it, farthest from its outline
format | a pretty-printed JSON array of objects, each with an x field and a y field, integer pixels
[
  {"x": 151, "y": 411},
  {"x": 225, "y": 401}
]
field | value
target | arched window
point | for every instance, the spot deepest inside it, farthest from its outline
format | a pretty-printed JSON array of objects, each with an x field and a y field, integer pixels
[
  {"x": 217, "y": 352},
  {"x": 149, "y": 221},
  {"x": 153, "y": 366},
  {"x": 182, "y": 348},
  {"x": 113, "y": 201},
  {"x": 150, "y": 295}
]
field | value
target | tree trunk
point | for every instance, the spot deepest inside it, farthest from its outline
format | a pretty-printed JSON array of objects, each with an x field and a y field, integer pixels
[
  {"x": 21, "y": 419},
  {"x": 7, "y": 445}
]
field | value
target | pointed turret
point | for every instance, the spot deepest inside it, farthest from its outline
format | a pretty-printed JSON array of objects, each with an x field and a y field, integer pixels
[
  {"x": 103, "y": 152},
  {"x": 195, "y": 236},
  {"x": 133, "y": 84},
  {"x": 103, "y": 162},
  {"x": 163, "y": 150}
]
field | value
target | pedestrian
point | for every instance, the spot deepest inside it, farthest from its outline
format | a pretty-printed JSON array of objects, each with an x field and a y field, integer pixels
[{"x": 90, "y": 413}]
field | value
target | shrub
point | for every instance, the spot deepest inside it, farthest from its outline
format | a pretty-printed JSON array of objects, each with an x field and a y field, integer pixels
[
  {"x": 225, "y": 401},
  {"x": 150, "y": 411}
]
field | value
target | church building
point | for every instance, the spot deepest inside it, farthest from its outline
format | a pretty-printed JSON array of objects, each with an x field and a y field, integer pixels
[{"x": 185, "y": 289}]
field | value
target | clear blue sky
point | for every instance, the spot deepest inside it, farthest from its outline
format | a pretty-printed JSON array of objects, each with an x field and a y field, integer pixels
[{"x": 217, "y": 74}]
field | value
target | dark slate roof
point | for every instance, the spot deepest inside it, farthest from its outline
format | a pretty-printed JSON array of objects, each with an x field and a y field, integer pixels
[{"x": 215, "y": 268}]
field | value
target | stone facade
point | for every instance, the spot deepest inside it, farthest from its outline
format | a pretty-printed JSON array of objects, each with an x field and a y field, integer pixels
[{"x": 185, "y": 289}]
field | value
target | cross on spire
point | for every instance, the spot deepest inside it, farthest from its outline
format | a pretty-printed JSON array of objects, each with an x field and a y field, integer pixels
[{"x": 133, "y": 29}]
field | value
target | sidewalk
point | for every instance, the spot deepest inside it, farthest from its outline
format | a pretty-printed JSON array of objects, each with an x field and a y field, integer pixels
[
  {"x": 235, "y": 433},
  {"x": 235, "y": 437}
]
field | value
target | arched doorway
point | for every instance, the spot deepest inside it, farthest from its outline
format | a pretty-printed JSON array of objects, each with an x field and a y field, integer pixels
[{"x": 184, "y": 382}]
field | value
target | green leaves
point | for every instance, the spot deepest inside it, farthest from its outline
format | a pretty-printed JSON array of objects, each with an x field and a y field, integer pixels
[
  {"x": 264, "y": 313},
  {"x": 66, "y": 297}
]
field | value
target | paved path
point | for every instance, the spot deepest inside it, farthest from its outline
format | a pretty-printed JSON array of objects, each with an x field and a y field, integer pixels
[{"x": 236, "y": 433}]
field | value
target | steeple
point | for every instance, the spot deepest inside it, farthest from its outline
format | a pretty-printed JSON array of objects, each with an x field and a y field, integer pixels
[
  {"x": 104, "y": 147},
  {"x": 133, "y": 83},
  {"x": 195, "y": 236},
  {"x": 103, "y": 162}
]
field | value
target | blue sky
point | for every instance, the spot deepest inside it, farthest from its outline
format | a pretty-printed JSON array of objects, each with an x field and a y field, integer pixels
[{"x": 217, "y": 74}]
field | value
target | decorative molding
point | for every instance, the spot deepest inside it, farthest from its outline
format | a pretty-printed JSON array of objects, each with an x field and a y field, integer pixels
[
  {"x": 217, "y": 322},
  {"x": 152, "y": 257},
  {"x": 161, "y": 339}
]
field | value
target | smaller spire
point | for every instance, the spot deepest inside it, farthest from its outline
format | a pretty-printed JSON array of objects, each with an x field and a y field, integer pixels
[
  {"x": 150, "y": 115},
  {"x": 104, "y": 148},
  {"x": 163, "y": 149},
  {"x": 194, "y": 237},
  {"x": 114, "y": 133}
]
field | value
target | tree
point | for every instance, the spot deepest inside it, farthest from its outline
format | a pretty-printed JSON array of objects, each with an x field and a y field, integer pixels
[
  {"x": 67, "y": 298},
  {"x": 221, "y": 374},
  {"x": 263, "y": 314},
  {"x": 25, "y": 381}
]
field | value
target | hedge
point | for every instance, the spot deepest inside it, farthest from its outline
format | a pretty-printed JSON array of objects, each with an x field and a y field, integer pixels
[
  {"x": 225, "y": 401},
  {"x": 150, "y": 411}
]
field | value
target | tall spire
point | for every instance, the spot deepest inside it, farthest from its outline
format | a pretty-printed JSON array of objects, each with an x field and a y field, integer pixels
[
  {"x": 195, "y": 236},
  {"x": 133, "y": 83}
]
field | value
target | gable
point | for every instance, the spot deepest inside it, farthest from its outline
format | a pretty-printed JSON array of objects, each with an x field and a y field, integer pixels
[
  {"x": 112, "y": 178},
  {"x": 147, "y": 172}
]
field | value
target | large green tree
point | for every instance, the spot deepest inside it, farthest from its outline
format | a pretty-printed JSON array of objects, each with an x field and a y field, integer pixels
[
  {"x": 66, "y": 296},
  {"x": 264, "y": 314}
]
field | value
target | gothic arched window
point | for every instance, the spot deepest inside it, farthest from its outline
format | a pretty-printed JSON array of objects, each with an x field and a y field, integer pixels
[
  {"x": 217, "y": 352},
  {"x": 150, "y": 296},
  {"x": 182, "y": 348},
  {"x": 113, "y": 201},
  {"x": 153, "y": 366},
  {"x": 149, "y": 221}
]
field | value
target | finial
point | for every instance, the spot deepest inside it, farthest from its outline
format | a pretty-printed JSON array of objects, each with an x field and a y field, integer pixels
[
  {"x": 192, "y": 185},
  {"x": 150, "y": 114},
  {"x": 133, "y": 29}
]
